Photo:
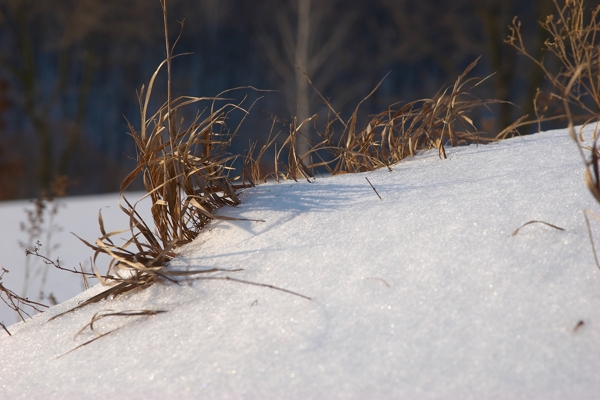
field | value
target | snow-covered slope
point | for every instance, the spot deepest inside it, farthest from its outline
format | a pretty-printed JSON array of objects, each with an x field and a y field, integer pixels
[{"x": 422, "y": 294}]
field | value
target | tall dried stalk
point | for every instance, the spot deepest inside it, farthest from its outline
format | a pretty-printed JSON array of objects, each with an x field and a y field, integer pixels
[{"x": 185, "y": 170}]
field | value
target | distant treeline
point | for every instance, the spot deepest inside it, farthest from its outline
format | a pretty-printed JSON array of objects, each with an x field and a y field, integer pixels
[{"x": 70, "y": 69}]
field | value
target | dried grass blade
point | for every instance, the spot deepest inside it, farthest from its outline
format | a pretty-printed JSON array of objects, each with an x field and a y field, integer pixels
[
  {"x": 534, "y": 222},
  {"x": 373, "y": 187},
  {"x": 94, "y": 299},
  {"x": 88, "y": 342},
  {"x": 127, "y": 313},
  {"x": 228, "y": 278}
]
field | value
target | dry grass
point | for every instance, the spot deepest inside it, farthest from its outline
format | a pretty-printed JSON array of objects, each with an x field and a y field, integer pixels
[
  {"x": 573, "y": 44},
  {"x": 386, "y": 138},
  {"x": 185, "y": 169},
  {"x": 104, "y": 314}
]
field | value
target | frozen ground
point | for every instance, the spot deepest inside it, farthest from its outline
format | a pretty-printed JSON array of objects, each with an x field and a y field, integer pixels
[{"x": 423, "y": 294}]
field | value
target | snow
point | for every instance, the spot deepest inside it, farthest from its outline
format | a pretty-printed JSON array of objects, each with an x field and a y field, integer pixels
[{"x": 423, "y": 294}]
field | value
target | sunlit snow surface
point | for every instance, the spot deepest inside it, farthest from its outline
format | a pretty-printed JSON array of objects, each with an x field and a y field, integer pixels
[{"x": 423, "y": 294}]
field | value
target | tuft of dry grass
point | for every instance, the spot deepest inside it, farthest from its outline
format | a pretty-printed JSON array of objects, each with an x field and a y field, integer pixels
[
  {"x": 185, "y": 169},
  {"x": 388, "y": 137},
  {"x": 573, "y": 44}
]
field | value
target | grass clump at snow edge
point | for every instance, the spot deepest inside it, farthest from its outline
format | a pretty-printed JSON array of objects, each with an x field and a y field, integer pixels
[
  {"x": 385, "y": 139},
  {"x": 185, "y": 171}
]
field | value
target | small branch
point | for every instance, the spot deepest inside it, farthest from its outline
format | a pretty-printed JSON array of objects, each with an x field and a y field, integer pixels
[
  {"x": 373, "y": 187},
  {"x": 539, "y": 222},
  {"x": 55, "y": 264}
]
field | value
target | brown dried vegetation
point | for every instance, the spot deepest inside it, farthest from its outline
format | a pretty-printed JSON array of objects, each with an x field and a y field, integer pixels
[
  {"x": 574, "y": 44},
  {"x": 386, "y": 138},
  {"x": 185, "y": 170}
]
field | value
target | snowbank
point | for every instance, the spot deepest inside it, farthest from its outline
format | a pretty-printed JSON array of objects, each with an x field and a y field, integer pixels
[{"x": 423, "y": 294}]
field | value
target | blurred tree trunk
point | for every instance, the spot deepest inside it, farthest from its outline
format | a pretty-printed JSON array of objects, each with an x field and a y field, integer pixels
[
  {"x": 304, "y": 38},
  {"x": 74, "y": 131},
  {"x": 536, "y": 80},
  {"x": 495, "y": 16},
  {"x": 11, "y": 161},
  {"x": 302, "y": 56}
]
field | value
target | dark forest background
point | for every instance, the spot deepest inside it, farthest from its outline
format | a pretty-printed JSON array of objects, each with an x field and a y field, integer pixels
[{"x": 70, "y": 69}]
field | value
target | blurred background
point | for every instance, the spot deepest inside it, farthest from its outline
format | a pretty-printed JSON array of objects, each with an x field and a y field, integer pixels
[{"x": 70, "y": 70}]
